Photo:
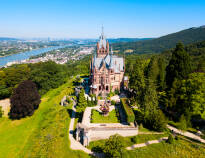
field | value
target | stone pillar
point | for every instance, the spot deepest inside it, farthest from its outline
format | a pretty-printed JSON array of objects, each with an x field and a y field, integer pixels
[
  {"x": 86, "y": 139},
  {"x": 77, "y": 134}
]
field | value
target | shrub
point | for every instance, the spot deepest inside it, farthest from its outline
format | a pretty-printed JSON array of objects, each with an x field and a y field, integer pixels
[
  {"x": 82, "y": 103},
  {"x": 159, "y": 121},
  {"x": 170, "y": 139},
  {"x": 114, "y": 146},
  {"x": 141, "y": 126},
  {"x": 128, "y": 110},
  {"x": 24, "y": 100},
  {"x": 155, "y": 120},
  {"x": 134, "y": 140},
  {"x": 182, "y": 123},
  {"x": 113, "y": 102}
]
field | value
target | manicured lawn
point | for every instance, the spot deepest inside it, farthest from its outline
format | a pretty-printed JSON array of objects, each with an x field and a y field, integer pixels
[
  {"x": 45, "y": 134},
  {"x": 97, "y": 117}
]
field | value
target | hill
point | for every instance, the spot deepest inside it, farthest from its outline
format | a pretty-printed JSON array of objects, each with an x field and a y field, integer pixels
[
  {"x": 116, "y": 40},
  {"x": 7, "y": 39},
  {"x": 196, "y": 52},
  {"x": 188, "y": 36},
  {"x": 45, "y": 134}
]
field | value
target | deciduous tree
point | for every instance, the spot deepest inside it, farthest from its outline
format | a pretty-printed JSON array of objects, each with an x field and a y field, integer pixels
[{"x": 25, "y": 100}]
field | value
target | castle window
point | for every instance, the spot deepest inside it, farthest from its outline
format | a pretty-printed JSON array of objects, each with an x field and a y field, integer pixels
[
  {"x": 99, "y": 88},
  {"x": 106, "y": 88}
]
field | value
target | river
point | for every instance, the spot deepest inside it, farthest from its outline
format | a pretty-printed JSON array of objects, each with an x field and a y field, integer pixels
[{"x": 26, "y": 55}]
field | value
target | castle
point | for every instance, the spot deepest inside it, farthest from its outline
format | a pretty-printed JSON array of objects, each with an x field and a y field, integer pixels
[{"x": 106, "y": 69}]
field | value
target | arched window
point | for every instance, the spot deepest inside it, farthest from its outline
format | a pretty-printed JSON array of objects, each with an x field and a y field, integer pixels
[
  {"x": 107, "y": 88},
  {"x": 99, "y": 88}
]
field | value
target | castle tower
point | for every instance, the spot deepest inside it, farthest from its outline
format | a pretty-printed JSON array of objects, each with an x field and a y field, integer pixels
[{"x": 102, "y": 46}]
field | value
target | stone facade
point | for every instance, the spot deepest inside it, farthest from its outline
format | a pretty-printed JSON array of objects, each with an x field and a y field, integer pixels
[{"x": 106, "y": 69}]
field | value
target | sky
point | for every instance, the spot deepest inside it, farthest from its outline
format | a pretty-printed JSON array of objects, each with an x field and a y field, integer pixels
[{"x": 84, "y": 18}]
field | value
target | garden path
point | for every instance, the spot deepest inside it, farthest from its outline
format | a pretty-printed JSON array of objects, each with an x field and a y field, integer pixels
[
  {"x": 187, "y": 134},
  {"x": 75, "y": 145}
]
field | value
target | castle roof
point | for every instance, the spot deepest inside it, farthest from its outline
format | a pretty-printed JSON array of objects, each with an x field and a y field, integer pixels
[{"x": 111, "y": 62}]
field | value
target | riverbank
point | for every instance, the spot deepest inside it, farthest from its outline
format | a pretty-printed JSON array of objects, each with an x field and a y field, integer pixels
[{"x": 26, "y": 55}]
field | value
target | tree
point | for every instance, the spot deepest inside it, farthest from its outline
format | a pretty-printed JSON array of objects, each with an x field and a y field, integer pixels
[
  {"x": 4, "y": 92},
  {"x": 182, "y": 123},
  {"x": 192, "y": 94},
  {"x": 47, "y": 75},
  {"x": 179, "y": 66},
  {"x": 82, "y": 103},
  {"x": 154, "y": 118},
  {"x": 150, "y": 99},
  {"x": 188, "y": 96},
  {"x": 114, "y": 146},
  {"x": 156, "y": 71},
  {"x": 25, "y": 100},
  {"x": 153, "y": 69},
  {"x": 137, "y": 82},
  {"x": 161, "y": 75}
]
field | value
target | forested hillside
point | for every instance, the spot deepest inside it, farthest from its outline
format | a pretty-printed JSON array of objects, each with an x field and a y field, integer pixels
[
  {"x": 46, "y": 76},
  {"x": 196, "y": 52},
  {"x": 158, "y": 45},
  {"x": 173, "y": 82},
  {"x": 115, "y": 40}
]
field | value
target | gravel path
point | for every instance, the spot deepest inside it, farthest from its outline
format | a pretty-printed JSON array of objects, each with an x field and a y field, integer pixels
[
  {"x": 187, "y": 134},
  {"x": 75, "y": 145}
]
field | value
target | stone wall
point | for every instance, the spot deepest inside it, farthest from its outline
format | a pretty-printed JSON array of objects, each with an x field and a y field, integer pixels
[{"x": 97, "y": 134}]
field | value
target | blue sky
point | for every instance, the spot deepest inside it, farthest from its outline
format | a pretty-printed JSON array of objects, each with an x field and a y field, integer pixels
[{"x": 84, "y": 18}]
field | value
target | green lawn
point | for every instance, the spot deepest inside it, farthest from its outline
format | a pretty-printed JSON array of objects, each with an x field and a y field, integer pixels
[
  {"x": 128, "y": 141},
  {"x": 45, "y": 134},
  {"x": 180, "y": 149},
  {"x": 97, "y": 117}
]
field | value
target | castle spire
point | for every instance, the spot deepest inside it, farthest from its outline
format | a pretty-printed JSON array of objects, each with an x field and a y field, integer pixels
[{"x": 102, "y": 31}]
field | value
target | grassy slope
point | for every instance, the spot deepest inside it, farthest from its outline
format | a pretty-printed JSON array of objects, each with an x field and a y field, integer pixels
[
  {"x": 45, "y": 134},
  {"x": 180, "y": 148}
]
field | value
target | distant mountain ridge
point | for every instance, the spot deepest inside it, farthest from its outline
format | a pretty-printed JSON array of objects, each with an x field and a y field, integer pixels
[
  {"x": 115, "y": 40},
  {"x": 188, "y": 36},
  {"x": 7, "y": 39}
]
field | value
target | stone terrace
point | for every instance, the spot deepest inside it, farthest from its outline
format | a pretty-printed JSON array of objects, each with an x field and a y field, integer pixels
[{"x": 87, "y": 131}]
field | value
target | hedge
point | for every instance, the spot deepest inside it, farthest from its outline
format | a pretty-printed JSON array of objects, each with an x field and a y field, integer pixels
[{"x": 128, "y": 110}]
